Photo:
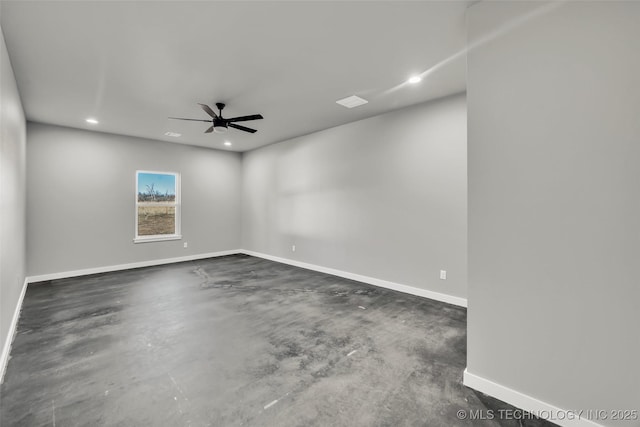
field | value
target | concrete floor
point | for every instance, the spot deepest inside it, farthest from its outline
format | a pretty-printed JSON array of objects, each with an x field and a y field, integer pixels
[{"x": 236, "y": 341}]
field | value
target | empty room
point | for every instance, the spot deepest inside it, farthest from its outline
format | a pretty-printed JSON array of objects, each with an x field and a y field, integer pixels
[{"x": 320, "y": 213}]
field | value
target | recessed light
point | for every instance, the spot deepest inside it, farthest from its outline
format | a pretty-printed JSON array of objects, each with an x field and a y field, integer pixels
[
  {"x": 92, "y": 121},
  {"x": 174, "y": 134},
  {"x": 351, "y": 101},
  {"x": 414, "y": 79},
  {"x": 227, "y": 143}
]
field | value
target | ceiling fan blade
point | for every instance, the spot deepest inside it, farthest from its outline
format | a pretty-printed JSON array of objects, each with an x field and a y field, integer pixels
[
  {"x": 244, "y": 118},
  {"x": 208, "y": 110},
  {"x": 193, "y": 120},
  {"x": 209, "y": 130},
  {"x": 246, "y": 129}
]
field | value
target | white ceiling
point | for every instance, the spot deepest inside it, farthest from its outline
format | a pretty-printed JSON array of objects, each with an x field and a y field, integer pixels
[{"x": 132, "y": 64}]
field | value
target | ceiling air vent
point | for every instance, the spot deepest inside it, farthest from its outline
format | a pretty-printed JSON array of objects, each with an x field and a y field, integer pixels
[{"x": 351, "y": 101}]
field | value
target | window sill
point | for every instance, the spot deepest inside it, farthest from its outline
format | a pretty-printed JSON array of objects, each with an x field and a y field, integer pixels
[{"x": 148, "y": 239}]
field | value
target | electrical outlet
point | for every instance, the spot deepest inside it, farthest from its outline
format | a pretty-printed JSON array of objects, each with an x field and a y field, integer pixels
[
  {"x": 293, "y": 248},
  {"x": 186, "y": 245},
  {"x": 443, "y": 274}
]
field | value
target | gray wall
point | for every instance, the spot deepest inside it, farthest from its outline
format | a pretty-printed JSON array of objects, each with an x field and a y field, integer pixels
[
  {"x": 383, "y": 197},
  {"x": 554, "y": 206},
  {"x": 12, "y": 194},
  {"x": 81, "y": 198}
]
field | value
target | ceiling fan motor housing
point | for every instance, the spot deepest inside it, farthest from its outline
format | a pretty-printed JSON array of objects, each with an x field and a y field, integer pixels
[{"x": 219, "y": 126}]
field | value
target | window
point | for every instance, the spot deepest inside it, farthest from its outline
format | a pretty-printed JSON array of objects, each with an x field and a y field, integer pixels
[{"x": 157, "y": 206}]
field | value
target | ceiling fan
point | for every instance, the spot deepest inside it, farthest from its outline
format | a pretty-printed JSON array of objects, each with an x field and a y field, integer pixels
[{"x": 219, "y": 124}]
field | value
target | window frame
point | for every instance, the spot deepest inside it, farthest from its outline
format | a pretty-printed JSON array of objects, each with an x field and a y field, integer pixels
[{"x": 177, "y": 204}]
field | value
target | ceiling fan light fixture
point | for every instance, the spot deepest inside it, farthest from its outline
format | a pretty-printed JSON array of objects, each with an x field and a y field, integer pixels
[{"x": 220, "y": 128}]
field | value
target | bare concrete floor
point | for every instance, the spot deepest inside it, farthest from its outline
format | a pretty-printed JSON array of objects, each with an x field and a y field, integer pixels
[{"x": 237, "y": 341}]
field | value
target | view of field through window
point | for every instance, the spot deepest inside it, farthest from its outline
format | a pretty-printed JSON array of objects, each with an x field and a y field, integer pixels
[{"x": 156, "y": 204}]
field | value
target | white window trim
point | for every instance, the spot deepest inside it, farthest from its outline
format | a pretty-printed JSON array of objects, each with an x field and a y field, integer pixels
[{"x": 178, "y": 205}]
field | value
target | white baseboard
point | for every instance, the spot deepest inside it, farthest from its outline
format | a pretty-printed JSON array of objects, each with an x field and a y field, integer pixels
[
  {"x": 6, "y": 348},
  {"x": 450, "y": 299},
  {"x": 106, "y": 269},
  {"x": 544, "y": 410}
]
